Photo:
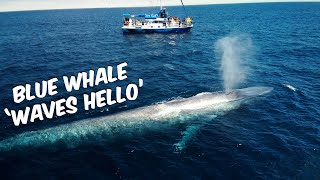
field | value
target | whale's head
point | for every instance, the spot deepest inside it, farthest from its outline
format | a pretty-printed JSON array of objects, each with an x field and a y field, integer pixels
[
  {"x": 214, "y": 99},
  {"x": 252, "y": 91}
]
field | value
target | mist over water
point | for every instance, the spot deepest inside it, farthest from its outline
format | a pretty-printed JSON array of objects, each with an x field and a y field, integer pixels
[{"x": 235, "y": 52}]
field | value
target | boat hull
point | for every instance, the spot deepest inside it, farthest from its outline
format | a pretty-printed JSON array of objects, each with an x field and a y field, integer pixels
[{"x": 162, "y": 30}]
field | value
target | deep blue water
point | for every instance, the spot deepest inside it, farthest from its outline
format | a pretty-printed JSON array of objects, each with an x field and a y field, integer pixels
[{"x": 273, "y": 137}]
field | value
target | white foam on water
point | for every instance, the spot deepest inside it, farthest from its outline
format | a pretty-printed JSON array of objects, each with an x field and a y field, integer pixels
[
  {"x": 169, "y": 66},
  {"x": 290, "y": 87}
]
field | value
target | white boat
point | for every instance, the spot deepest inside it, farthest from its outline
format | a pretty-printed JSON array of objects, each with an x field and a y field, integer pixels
[{"x": 156, "y": 23}]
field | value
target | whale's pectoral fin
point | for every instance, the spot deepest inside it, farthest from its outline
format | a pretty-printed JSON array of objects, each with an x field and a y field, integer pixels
[
  {"x": 190, "y": 132},
  {"x": 187, "y": 136}
]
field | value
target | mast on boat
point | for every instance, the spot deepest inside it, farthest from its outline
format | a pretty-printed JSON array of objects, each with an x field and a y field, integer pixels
[{"x": 183, "y": 7}]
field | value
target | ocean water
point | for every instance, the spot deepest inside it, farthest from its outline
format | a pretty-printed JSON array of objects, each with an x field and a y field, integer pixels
[{"x": 275, "y": 136}]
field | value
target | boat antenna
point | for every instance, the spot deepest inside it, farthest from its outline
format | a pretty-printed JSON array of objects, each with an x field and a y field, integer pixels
[
  {"x": 161, "y": 5},
  {"x": 184, "y": 8}
]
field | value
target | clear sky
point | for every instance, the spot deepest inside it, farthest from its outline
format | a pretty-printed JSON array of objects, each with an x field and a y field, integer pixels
[{"x": 16, "y": 5}]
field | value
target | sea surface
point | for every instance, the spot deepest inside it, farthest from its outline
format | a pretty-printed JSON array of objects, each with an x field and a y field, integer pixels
[{"x": 275, "y": 136}]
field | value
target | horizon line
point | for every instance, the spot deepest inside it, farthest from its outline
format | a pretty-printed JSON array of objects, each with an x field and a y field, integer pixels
[{"x": 79, "y": 8}]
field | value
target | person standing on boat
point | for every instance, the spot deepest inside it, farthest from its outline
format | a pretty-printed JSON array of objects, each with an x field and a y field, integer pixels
[
  {"x": 189, "y": 20},
  {"x": 163, "y": 13}
]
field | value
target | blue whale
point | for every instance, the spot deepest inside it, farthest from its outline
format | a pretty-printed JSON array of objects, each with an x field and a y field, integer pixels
[{"x": 177, "y": 110}]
